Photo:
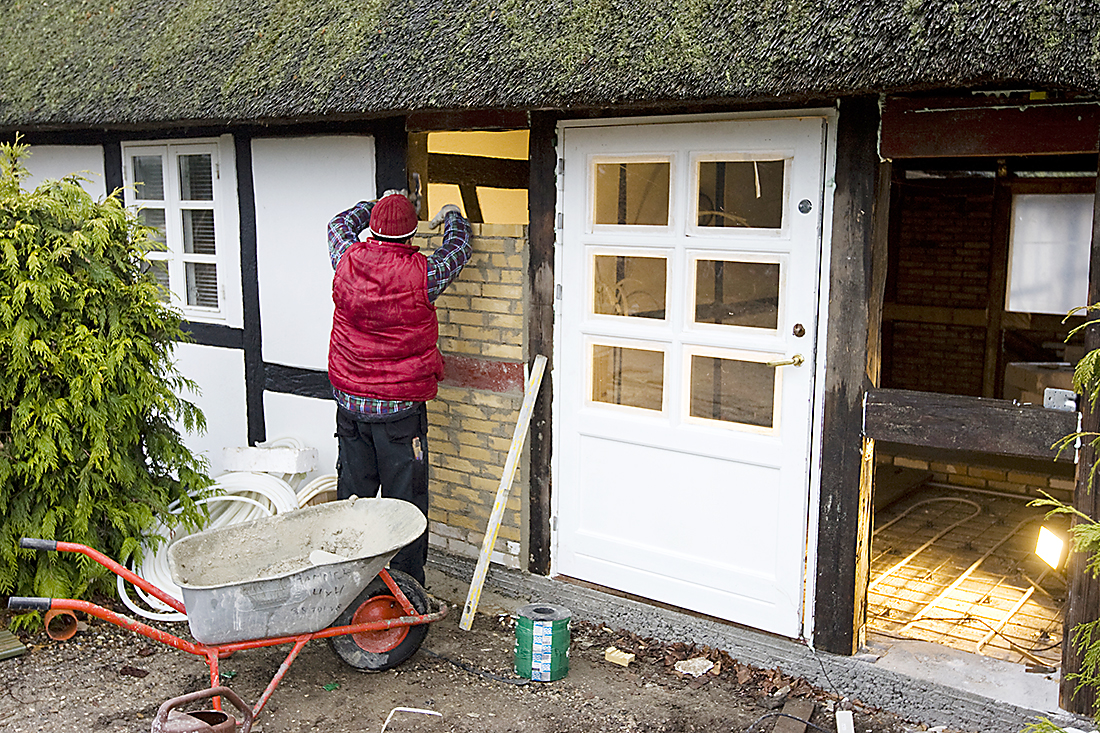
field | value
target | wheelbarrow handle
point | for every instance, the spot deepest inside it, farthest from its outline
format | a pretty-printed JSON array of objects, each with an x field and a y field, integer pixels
[
  {"x": 20, "y": 603},
  {"x": 33, "y": 543}
]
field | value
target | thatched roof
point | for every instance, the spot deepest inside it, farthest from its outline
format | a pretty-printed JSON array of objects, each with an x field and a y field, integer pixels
[{"x": 106, "y": 63}]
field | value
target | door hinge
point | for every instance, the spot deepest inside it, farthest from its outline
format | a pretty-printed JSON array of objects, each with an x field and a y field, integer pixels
[
  {"x": 561, "y": 166},
  {"x": 557, "y": 291},
  {"x": 561, "y": 221}
]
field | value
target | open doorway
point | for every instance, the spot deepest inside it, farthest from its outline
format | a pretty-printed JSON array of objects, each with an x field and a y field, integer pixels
[{"x": 986, "y": 257}]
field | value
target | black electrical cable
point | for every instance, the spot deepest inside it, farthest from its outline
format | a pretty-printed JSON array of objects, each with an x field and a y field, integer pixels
[
  {"x": 783, "y": 715},
  {"x": 474, "y": 670}
]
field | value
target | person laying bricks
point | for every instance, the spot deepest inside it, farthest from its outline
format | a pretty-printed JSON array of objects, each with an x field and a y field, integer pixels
[{"x": 384, "y": 362}]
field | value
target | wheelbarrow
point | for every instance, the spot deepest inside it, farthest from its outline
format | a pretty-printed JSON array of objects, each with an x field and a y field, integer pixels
[{"x": 314, "y": 573}]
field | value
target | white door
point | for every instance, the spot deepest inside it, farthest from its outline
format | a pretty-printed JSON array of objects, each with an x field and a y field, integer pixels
[{"x": 684, "y": 384}]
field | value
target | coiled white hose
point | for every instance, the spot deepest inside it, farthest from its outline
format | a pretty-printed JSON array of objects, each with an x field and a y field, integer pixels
[
  {"x": 317, "y": 487},
  {"x": 238, "y": 497}
]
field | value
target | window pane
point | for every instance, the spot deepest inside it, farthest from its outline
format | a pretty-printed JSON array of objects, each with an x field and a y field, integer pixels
[
  {"x": 741, "y": 193},
  {"x": 196, "y": 178},
  {"x": 633, "y": 377},
  {"x": 737, "y": 293},
  {"x": 155, "y": 218},
  {"x": 198, "y": 231},
  {"x": 159, "y": 271},
  {"x": 1049, "y": 252},
  {"x": 148, "y": 177},
  {"x": 202, "y": 284},
  {"x": 632, "y": 193},
  {"x": 630, "y": 286},
  {"x": 732, "y": 390}
]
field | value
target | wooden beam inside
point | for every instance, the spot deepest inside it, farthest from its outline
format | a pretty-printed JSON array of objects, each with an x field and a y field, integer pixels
[
  {"x": 974, "y": 424},
  {"x": 960, "y": 127}
]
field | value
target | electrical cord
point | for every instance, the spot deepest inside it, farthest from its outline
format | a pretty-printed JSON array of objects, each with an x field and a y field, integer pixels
[
  {"x": 474, "y": 670},
  {"x": 783, "y": 715}
]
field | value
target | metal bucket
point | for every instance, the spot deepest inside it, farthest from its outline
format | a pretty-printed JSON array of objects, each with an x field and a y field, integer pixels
[{"x": 256, "y": 580}]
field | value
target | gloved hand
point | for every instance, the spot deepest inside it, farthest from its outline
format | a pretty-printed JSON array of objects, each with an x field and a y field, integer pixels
[
  {"x": 392, "y": 191},
  {"x": 438, "y": 218}
]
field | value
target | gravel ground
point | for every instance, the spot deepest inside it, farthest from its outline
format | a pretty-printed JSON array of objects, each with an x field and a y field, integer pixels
[{"x": 110, "y": 679}]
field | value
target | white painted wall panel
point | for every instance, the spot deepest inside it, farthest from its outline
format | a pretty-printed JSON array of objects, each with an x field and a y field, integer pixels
[
  {"x": 310, "y": 420},
  {"x": 57, "y": 161},
  {"x": 300, "y": 184},
  {"x": 220, "y": 375}
]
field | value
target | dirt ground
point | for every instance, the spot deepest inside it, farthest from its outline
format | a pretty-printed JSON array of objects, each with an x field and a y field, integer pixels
[{"x": 109, "y": 679}]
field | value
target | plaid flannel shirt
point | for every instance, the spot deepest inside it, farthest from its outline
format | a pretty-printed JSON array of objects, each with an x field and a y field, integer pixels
[{"x": 443, "y": 267}]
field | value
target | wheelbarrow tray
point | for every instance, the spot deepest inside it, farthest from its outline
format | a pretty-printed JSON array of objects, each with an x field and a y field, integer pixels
[{"x": 256, "y": 580}]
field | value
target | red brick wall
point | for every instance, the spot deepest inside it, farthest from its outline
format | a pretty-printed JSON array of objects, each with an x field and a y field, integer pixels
[{"x": 939, "y": 257}]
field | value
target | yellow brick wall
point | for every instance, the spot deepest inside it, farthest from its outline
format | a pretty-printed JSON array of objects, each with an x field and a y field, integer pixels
[
  {"x": 481, "y": 315},
  {"x": 975, "y": 475}
]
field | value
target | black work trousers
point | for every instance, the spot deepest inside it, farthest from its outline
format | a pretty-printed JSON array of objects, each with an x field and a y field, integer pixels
[{"x": 393, "y": 455}]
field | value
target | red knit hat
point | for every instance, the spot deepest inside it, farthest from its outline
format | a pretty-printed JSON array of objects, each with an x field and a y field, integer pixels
[{"x": 394, "y": 217}]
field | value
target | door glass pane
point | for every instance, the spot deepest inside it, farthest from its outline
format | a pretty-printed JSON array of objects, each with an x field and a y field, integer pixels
[
  {"x": 202, "y": 284},
  {"x": 148, "y": 178},
  {"x": 741, "y": 193},
  {"x": 732, "y": 390},
  {"x": 154, "y": 218},
  {"x": 198, "y": 231},
  {"x": 623, "y": 376},
  {"x": 196, "y": 178},
  {"x": 737, "y": 293},
  {"x": 632, "y": 193},
  {"x": 629, "y": 286}
]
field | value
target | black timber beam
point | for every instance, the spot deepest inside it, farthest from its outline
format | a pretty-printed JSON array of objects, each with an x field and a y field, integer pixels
[
  {"x": 542, "y": 202},
  {"x": 843, "y": 516},
  {"x": 956, "y": 422}
]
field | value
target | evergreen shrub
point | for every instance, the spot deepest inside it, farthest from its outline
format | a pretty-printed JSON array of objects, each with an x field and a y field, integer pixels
[{"x": 90, "y": 406}]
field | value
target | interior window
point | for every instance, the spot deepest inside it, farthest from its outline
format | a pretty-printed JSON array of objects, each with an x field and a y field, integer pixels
[{"x": 1051, "y": 235}]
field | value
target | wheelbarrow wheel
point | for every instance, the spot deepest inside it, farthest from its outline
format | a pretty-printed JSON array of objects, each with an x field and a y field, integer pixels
[{"x": 377, "y": 651}]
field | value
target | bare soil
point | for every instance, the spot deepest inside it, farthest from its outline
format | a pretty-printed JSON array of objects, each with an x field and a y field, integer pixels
[{"x": 109, "y": 679}]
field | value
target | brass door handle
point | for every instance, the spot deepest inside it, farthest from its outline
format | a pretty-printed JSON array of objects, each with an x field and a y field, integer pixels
[{"x": 795, "y": 360}]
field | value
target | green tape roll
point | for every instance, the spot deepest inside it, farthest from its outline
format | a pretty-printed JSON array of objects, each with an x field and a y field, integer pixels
[{"x": 542, "y": 642}]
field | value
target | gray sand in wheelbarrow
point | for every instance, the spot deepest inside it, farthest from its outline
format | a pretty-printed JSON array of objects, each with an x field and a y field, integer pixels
[{"x": 257, "y": 579}]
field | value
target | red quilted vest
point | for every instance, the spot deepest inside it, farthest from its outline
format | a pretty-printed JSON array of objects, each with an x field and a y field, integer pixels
[{"x": 384, "y": 329}]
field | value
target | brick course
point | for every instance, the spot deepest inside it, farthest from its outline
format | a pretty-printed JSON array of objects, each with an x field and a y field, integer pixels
[{"x": 470, "y": 430}]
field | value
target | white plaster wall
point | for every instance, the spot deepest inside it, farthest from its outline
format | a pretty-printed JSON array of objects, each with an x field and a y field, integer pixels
[
  {"x": 300, "y": 184},
  {"x": 220, "y": 375},
  {"x": 47, "y": 162},
  {"x": 310, "y": 420}
]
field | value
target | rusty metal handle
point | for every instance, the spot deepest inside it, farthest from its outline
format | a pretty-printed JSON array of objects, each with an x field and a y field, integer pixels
[{"x": 162, "y": 713}]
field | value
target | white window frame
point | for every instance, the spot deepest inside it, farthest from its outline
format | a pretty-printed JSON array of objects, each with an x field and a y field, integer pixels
[{"x": 226, "y": 258}]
